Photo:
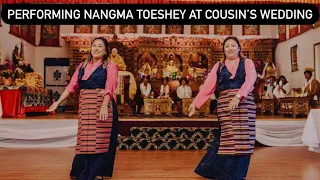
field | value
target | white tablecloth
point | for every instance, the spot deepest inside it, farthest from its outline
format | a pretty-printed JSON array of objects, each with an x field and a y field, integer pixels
[{"x": 311, "y": 133}]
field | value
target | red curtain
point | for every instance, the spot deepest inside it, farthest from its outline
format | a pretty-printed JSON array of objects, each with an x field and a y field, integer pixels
[{"x": 163, "y": 1}]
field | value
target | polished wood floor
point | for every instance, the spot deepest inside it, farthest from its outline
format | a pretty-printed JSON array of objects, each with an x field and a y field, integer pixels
[
  {"x": 268, "y": 163},
  {"x": 73, "y": 116}
]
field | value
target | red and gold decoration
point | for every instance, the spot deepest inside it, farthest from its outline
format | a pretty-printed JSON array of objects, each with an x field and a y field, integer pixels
[
  {"x": 223, "y": 29},
  {"x": 157, "y": 51},
  {"x": 28, "y": 33},
  {"x": 152, "y": 29},
  {"x": 106, "y": 29},
  {"x": 199, "y": 29},
  {"x": 250, "y": 30},
  {"x": 15, "y": 30},
  {"x": 128, "y": 29},
  {"x": 282, "y": 32},
  {"x": 174, "y": 29},
  {"x": 293, "y": 31},
  {"x": 50, "y": 35},
  {"x": 305, "y": 28},
  {"x": 82, "y": 28}
]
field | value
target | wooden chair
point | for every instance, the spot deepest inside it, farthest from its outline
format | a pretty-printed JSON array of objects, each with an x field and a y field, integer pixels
[
  {"x": 301, "y": 106},
  {"x": 295, "y": 105},
  {"x": 287, "y": 106},
  {"x": 267, "y": 105}
]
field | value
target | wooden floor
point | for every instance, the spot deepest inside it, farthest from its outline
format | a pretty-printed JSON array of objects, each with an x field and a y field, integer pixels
[
  {"x": 73, "y": 116},
  {"x": 268, "y": 163}
]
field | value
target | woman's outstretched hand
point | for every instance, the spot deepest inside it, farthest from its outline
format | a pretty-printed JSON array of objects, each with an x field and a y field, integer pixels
[
  {"x": 191, "y": 110},
  {"x": 53, "y": 107}
]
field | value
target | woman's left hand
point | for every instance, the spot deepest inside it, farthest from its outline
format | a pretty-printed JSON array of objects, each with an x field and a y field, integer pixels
[
  {"x": 103, "y": 114},
  {"x": 234, "y": 103}
]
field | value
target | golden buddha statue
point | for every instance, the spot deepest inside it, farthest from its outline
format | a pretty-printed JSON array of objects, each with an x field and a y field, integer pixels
[
  {"x": 269, "y": 70},
  {"x": 116, "y": 58},
  {"x": 171, "y": 67},
  {"x": 145, "y": 69}
]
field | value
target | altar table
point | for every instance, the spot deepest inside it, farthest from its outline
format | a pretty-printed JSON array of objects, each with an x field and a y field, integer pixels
[{"x": 158, "y": 106}]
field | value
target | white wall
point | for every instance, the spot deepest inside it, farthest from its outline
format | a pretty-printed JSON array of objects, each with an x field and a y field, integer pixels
[
  {"x": 36, "y": 55},
  {"x": 8, "y": 42},
  {"x": 42, "y": 52},
  {"x": 305, "y": 44}
]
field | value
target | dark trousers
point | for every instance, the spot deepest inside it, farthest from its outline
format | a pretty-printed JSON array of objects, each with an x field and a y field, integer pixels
[{"x": 213, "y": 106}]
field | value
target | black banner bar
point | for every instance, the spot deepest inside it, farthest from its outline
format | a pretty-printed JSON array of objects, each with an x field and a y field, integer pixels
[{"x": 150, "y": 14}]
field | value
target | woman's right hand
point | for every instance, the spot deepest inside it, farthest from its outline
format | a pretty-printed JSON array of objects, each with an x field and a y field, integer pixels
[
  {"x": 53, "y": 107},
  {"x": 191, "y": 110}
]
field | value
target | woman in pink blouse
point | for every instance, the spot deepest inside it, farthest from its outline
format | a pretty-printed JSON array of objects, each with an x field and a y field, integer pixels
[
  {"x": 228, "y": 157},
  {"x": 98, "y": 119}
]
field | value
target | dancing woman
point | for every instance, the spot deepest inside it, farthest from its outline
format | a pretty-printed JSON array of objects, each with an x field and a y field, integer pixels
[
  {"x": 228, "y": 157},
  {"x": 97, "y": 116}
]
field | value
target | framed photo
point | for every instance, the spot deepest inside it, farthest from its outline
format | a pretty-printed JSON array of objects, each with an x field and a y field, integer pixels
[
  {"x": 152, "y": 29},
  {"x": 50, "y": 35},
  {"x": 223, "y": 29},
  {"x": 28, "y": 33},
  {"x": 82, "y": 28},
  {"x": 282, "y": 32},
  {"x": 174, "y": 29},
  {"x": 199, "y": 29},
  {"x": 294, "y": 58},
  {"x": 106, "y": 29},
  {"x": 293, "y": 31},
  {"x": 128, "y": 29},
  {"x": 250, "y": 30}
]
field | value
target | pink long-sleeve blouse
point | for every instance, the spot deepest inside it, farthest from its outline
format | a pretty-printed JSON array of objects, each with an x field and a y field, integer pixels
[
  {"x": 210, "y": 84},
  {"x": 111, "y": 82}
]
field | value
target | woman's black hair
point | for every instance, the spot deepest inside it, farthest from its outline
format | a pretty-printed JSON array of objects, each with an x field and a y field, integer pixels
[{"x": 285, "y": 80}]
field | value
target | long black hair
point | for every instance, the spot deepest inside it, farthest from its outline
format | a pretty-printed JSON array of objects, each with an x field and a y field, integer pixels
[{"x": 285, "y": 80}]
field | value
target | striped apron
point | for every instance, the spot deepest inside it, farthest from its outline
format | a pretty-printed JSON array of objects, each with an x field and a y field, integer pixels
[
  {"x": 93, "y": 134},
  {"x": 238, "y": 125}
]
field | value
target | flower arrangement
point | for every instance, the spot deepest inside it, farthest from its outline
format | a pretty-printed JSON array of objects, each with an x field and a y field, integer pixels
[
  {"x": 9, "y": 65},
  {"x": 7, "y": 73}
]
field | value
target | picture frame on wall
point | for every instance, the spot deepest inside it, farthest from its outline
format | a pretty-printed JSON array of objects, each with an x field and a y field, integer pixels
[
  {"x": 106, "y": 29},
  {"x": 50, "y": 35},
  {"x": 223, "y": 29},
  {"x": 83, "y": 28},
  {"x": 250, "y": 30},
  {"x": 294, "y": 58},
  {"x": 28, "y": 33},
  {"x": 174, "y": 29},
  {"x": 152, "y": 29},
  {"x": 199, "y": 29},
  {"x": 128, "y": 29},
  {"x": 282, "y": 32}
]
